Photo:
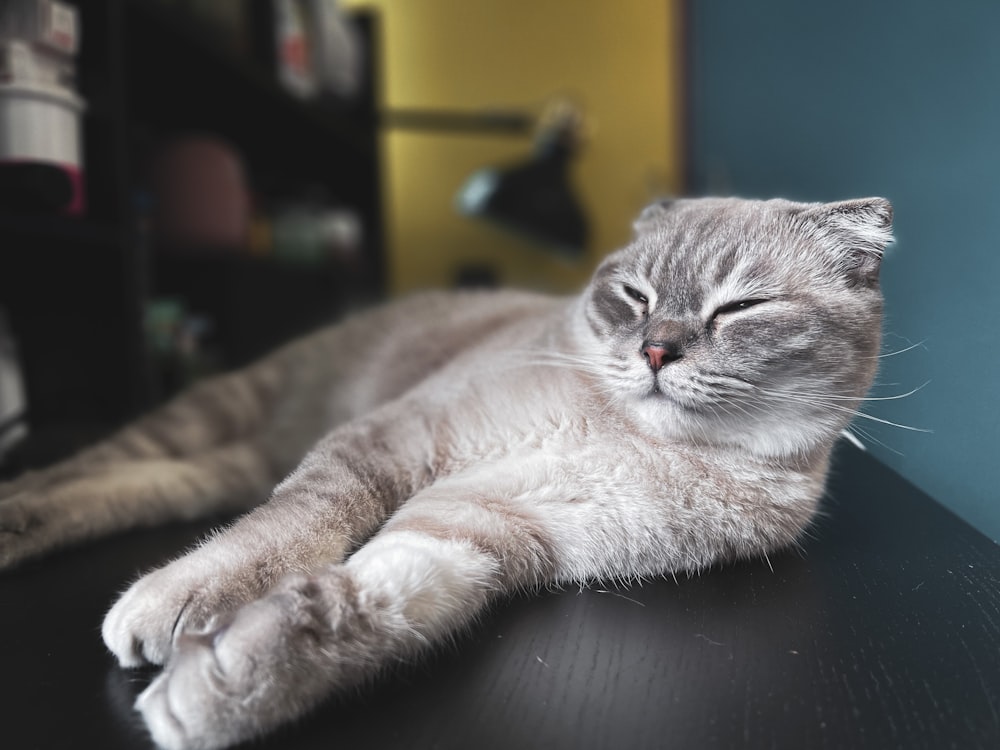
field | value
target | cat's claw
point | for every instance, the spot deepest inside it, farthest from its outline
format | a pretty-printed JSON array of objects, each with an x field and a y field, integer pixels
[
  {"x": 139, "y": 627},
  {"x": 193, "y": 594},
  {"x": 145, "y": 624}
]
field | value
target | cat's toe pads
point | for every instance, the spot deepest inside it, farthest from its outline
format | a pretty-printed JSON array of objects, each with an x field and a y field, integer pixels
[
  {"x": 219, "y": 687},
  {"x": 190, "y": 705}
]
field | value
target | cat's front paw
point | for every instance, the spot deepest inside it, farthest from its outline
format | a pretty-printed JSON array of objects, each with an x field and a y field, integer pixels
[
  {"x": 270, "y": 662},
  {"x": 140, "y": 626},
  {"x": 215, "y": 691},
  {"x": 186, "y": 596},
  {"x": 195, "y": 702}
]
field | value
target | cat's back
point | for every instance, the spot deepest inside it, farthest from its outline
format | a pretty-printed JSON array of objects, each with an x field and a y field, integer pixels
[
  {"x": 465, "y": 313},
  {"x": 428, "y": 329},
  {"x": 380, "y": 353}
]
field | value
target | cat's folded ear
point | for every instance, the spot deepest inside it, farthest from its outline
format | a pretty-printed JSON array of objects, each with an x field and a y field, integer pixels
[
  {"x": 652, "y": 214},
  {"x": 860, "y": 230}
]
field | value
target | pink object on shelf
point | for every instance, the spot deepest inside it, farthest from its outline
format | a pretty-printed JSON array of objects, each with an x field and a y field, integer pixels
[{"x": 200, "y": 194}]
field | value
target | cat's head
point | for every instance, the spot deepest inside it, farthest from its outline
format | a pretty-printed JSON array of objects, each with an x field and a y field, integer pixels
[{"x": 750, "y": 323}]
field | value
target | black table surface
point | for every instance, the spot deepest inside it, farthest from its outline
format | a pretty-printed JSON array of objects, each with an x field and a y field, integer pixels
[{"x": 883, "y": 631}]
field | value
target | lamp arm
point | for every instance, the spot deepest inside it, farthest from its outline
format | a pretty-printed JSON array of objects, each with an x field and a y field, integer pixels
[{"x": 502, "y": 122}]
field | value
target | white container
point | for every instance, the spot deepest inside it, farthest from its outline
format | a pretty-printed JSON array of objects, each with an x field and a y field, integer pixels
[
  {"x": 40, "y": 123},
  {"x": 24, "y": 63}
]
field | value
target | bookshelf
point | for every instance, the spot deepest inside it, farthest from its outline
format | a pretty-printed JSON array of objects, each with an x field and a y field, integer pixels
[{"x": 77, "y": 291}]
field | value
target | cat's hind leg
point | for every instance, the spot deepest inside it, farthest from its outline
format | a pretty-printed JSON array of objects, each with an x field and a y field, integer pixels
[
  {"x": 214, "y": 412},
  {"x": 203, "y": 452},
  {"x": 125, "y": 495}
]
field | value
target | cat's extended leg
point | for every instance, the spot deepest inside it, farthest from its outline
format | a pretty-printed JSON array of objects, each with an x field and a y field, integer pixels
[
  {"x": 215, "y": 412},
  {"x": 427, "y": 574},
  {"x": 129, "y": 494},
  {"x": 209, "y": 450},
  {"x": 340, "y": 494}
]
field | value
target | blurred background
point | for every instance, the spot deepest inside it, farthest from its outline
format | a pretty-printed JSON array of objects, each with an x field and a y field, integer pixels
[{"x": 185, "y": 184}]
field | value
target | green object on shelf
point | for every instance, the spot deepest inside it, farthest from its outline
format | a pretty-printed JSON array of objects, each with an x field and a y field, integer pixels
[{"x": 163, "y": 320}]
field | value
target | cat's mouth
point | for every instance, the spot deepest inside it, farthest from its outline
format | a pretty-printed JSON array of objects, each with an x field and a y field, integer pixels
[
  {"x": 672, "y": 396},
  {"x": 657, "y": 392}
]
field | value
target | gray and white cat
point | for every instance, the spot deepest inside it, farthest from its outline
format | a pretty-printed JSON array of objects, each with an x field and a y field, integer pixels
[{"x": 440, "y": 452}]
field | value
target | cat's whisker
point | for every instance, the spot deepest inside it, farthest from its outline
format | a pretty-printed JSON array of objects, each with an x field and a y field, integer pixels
[
  {"x": 835, "y": 397},
  {"x": 582, "y": 364},
  {"x": 725, "y": 405},
  {"x": 899, "y": 395},
  {"x": 552, "y": 362},
  {"x": 823, "y": 404},
  {"x": 861, "y": 432},
  {"x": 911, "y": 347}
]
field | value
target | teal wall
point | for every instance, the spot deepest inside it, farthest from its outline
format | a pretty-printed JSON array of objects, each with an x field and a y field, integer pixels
[{"x": 900, "y": 98}]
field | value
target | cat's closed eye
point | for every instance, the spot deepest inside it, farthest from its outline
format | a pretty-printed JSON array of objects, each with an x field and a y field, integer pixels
[
  {"x": 636, "y": 294},
  {"x": 737, "y": 306}
]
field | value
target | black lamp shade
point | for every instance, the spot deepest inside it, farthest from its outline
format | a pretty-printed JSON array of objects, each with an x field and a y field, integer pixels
[{"x": 533, "y": 199}]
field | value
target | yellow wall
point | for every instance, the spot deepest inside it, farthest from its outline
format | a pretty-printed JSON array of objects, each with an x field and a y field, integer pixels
[{"x": 619, "y": 58}]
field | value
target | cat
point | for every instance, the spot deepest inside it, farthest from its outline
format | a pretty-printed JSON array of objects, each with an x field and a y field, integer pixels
[{"x": 438, "y": 453}]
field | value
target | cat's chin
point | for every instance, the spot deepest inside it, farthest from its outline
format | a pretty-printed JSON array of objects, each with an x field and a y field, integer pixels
[{"x": 667, "y": 416}]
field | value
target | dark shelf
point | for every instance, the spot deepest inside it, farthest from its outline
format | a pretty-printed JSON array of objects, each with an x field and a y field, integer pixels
[
  {"x": 256, "y": 304},
  {"x": 77, "y": 290},
  {"x": 152, "y": 26},
  {"x": 45, "y": 232},
  {"x": 181, "y": 80}
]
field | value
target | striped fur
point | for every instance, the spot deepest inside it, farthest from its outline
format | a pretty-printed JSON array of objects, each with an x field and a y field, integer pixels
[{"x": 434, "y": 454}]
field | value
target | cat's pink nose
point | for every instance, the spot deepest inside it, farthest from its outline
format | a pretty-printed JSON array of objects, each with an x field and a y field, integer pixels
[{"x": 659, "y": 353}]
